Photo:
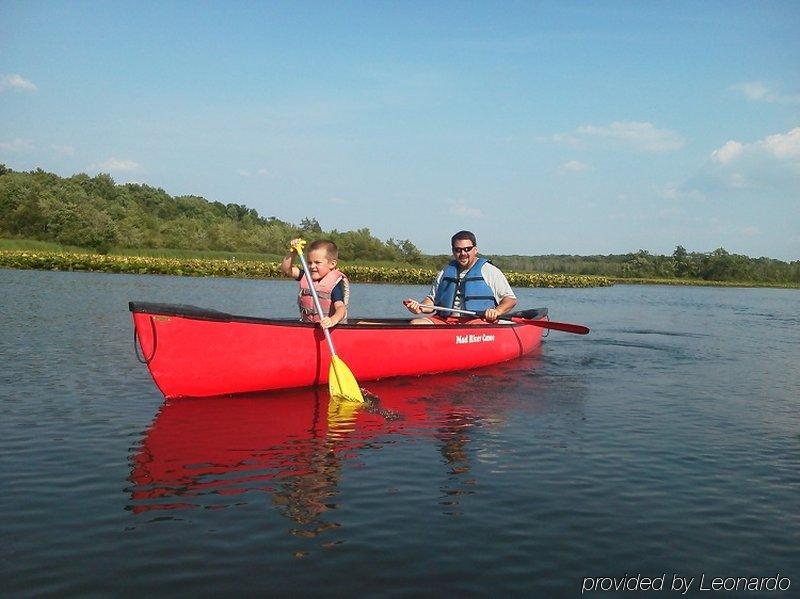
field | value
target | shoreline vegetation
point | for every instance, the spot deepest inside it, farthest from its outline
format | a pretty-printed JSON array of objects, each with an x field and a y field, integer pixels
[
  {"x": 92, "y": 223},
  {"x": 254, "y": 269},
  {"x": 248, "y": 267}
]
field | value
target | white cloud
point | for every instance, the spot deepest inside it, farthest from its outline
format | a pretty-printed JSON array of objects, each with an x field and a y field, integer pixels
[
  {"x": 459, "y": 208},
  {"x": 573, "y": 166},
  {"x": 781, "y": 146},
  {"x": 17, "y": 83},
  {"x": 243, "y": 172},
  {"x": 17, "y": 145},
  {"x": 335, "y": 200},
  {"x": 727, "y": 153},
  {"x": 737, "y": 181},
  {"x": 63, "y": 150},
  {"x": 118, "y": 165},
  {"x": 677, "y": 193},
  {"x": 772, "y": 162},
  {"x": 751, "y": 231},
  {"x": 566, "y": 139},
  {"x": 669, "y": 193},
  {"x": 638, "y": 135},
  {"x": 641, "y": 135},
  {"x": 670, "y": 212},
  {"x": 756, "y": 91}
]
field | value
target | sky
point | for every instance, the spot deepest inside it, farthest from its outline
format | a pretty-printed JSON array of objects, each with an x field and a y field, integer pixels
[{"x": 544, "y": 127}]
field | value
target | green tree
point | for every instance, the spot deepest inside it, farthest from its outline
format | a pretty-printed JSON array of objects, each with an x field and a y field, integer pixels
[
  {"x": 310, "y": 226},
  {"x": 405, "y": 251},
  {"x": 101, "y": 185},
  {"x": 680, "y": 258},
  {"x": 83, "y": 225},
  {"x": 639, "y": 264}
]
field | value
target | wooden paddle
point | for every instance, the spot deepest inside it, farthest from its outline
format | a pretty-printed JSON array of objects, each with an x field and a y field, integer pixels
[
  {"x": 525, "y": 317},
  {"x": 341, "y": 382}
]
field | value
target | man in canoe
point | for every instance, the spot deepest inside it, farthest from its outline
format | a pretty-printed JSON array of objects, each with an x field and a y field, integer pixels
[
  {"x": 332, "y": 286},
  {"x": 466, "y": 283}
]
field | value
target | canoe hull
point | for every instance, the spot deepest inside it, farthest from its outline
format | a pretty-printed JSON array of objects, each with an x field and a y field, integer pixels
[{"x": 192, "y": 352}]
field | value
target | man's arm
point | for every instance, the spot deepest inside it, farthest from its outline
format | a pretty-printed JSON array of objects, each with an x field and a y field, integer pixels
[
  {"x": 506, "y": 305},
  {"x": 416, "y": 307},
  {"x": 504, "y": 295}
]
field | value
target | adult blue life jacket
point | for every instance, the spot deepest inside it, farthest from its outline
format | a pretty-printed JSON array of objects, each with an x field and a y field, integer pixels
[{"x": 476, "y": 293}]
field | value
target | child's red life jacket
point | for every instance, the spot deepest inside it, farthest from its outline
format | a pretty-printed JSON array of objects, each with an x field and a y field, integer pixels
[{"x": 324, "y": 289}]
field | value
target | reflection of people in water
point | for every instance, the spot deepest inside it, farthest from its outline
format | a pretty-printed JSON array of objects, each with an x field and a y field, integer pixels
[
  {"x": 307, "y": 494},
  {"x": 291, "y": 443},
  {"x": 305, "y": 497},
  {"x": 294, "y": 445},
  {"x": 454, "y": 435}
]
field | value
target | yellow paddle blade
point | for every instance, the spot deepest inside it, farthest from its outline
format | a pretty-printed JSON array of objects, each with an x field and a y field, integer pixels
[
  {"x": 342, "y": 415},
  {"x": 342, "y": 383}
]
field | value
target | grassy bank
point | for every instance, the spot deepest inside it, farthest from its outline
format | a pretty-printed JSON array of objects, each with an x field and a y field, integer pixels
[
  {"x": 252, "y": 269},
  {"x": 46, "y": 246},
  {"x": 31, "y": 254}
]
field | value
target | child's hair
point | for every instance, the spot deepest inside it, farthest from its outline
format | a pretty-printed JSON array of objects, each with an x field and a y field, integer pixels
[{"x": 323, "y": 244}]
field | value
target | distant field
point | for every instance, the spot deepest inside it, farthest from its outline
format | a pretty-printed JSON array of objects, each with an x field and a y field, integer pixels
[
  {"x": 40, "y": 246},
  {"x": 46, "y": 246}
]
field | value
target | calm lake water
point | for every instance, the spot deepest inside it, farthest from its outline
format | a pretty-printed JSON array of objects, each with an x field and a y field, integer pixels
[{"x": 664, "y": 443}]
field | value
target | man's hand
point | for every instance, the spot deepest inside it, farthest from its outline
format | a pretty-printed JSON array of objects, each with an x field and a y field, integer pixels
[
  {"x": 491, "y": 315},
  {"x": 415, "y": 307},
  {"x": 326, "y": 323}
]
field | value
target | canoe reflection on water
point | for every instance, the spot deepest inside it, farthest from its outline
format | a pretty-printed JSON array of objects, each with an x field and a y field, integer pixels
[{"x": 293, "y": 445}]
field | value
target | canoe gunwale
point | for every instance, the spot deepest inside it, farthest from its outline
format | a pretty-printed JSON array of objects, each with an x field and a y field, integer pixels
[{"x": 197, "y": 313}]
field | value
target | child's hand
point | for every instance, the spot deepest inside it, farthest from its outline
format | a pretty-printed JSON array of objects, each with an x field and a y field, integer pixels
[{"x": 326, "y": 323}]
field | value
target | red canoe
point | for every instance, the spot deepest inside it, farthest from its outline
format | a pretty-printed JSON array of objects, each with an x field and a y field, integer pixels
[{"x": 193, "y": 352}]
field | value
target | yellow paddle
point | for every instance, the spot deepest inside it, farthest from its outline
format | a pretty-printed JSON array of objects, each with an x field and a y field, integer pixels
[{"x": 341, "y": 382}]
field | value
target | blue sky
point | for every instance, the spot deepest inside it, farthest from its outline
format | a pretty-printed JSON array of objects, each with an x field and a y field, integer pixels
[{"x": 544, "y": 127}]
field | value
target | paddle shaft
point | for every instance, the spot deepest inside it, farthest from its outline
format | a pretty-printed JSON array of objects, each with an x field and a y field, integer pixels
[
  {"x": 547, "y": 324},
  {"x": 316, "y": 300}
]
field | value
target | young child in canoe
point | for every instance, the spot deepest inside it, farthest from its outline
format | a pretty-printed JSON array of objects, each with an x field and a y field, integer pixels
[{"x": 332, "y": 286}]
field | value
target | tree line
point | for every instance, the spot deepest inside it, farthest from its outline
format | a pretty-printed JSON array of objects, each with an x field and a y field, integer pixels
[
  {"x": 718, "y": 265},
  {"x": 96, "y": 213}
]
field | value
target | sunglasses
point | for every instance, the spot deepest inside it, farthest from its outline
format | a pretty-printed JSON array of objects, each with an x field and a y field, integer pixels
[{"x": 465, "y": 250}]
